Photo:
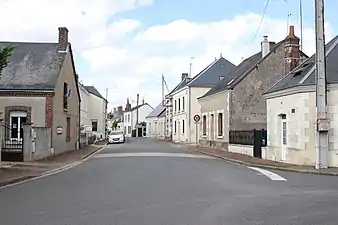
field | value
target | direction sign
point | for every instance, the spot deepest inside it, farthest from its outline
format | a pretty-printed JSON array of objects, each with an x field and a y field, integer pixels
[{"x": 197, "y": 118}]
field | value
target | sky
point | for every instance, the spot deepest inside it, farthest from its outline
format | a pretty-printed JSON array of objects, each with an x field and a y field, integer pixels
[{"x": 126, "y": 45}]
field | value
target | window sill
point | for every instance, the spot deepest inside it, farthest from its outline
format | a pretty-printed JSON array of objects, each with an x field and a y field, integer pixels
[
  {"x": 65, "y": 110},
  {"x": 220, "y": 137}
]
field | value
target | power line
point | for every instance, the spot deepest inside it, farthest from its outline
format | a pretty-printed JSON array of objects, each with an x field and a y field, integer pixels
[{"x": 262, "y": 18}]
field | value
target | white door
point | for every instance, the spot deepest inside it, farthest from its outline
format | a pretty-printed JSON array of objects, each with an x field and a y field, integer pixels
[
  {"x": 284, "y": 136},
  {"x": 17, "y": 119}
]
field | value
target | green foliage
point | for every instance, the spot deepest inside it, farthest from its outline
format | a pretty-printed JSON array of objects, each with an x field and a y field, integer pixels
[
  {"x": 5, "y": 53},
  {"x": 143, "y": 123},
  {"x": 114, "y": 125}
]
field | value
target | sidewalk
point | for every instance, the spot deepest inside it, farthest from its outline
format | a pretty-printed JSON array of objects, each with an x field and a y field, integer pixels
[
  {"x": 257, "y": 162},
  {"x": 13, "y": 172}
]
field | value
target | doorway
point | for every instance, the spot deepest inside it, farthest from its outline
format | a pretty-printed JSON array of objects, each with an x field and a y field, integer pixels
[
  {"x": 17, "y": 119},
  {"x": 284, "y": 137},
  {"x": 212, "y": 127}
]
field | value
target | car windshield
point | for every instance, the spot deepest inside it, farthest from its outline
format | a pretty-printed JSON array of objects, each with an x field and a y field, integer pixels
[{"x": 116, "y": 133}]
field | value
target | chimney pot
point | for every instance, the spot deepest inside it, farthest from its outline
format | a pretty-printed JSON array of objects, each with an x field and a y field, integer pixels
[
  {"x": 63, "y": 39},
  {"x": 265, "y": 46},
  {"x": 292, "y": 31}
]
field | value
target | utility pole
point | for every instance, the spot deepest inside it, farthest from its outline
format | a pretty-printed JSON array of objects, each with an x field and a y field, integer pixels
[
  {"x": 106, "y": 115},
  {"x": 190, "y": 65},
  {"x": 137, "y": 100},
  {"x": 301, "y": 24},
  {"x": 323, "y": 125}
]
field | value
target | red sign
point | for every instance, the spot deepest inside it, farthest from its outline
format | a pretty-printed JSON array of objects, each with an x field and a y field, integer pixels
[{"x": 197, "y": 118}]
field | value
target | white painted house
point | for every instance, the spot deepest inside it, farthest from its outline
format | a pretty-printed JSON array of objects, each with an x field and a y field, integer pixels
[
  {"x": 85, "y": 122},
  {"x": 130, "y": 116},
  {"x": 156, "y": 126},
  {"x": 97, "y": 112},
  {"x": 291, "y": 113},
  {"x": 184, "y": 99}
]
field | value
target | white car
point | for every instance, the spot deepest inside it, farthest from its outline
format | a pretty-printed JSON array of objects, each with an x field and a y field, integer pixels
[{"x": 116, "y": 137}]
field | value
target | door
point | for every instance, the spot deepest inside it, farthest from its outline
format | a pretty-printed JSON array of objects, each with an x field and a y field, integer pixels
[
  {"x": 17, "y": 119},
  {"x": 284, "y": 135}
]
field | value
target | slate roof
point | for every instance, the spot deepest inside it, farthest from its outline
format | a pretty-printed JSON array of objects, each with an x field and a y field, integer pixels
[
  {"x": 304, "y": 74},
  {"x": 157, "y": 111},
  {"x": 210, "y": 75},
  {"x": 137, "y": 107},
  {"x": 32, "y": 66},
  {"x": 241, "y": 69},
  {"x": 181, "y": 85},
  {"x": 94, "y": 91}
]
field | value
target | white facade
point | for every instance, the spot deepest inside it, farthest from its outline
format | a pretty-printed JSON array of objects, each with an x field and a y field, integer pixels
[
  {"x": 129, "y": 118},
  {"x": 291, "y": 125},
  {"x": 185, "y": 107},
  {"x": 85, "y": 121},
  {"x": 97, "y": 113},
  {"x": 156, "y": 127}
]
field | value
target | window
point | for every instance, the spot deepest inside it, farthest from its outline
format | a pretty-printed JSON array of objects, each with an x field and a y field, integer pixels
[
  {"x": 179, "y": 104},
  {"x": 182, "y": 126},
  {"x": 183, "y": 103},
  {"x": 220, "y": 124},
  {"x": 129, "y": 129},
  {"x": 65, "y": 95},
  {"x": 128, "y": 117},
  {"x": 94, "y": 125},
  {"x": 175, "y": 106},
  {"x": 68, "y": 129},
  {"x": 284, "y": 129},
  {"x": 125, "y": 130},
  {"x": 204, "y": 124},
  {"x": 175, "y": 127}
]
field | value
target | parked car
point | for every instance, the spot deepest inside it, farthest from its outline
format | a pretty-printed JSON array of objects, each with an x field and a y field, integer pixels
[{"x": 116, "y": 137}]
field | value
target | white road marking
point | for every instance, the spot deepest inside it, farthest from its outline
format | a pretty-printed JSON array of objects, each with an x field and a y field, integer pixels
[
  {"x": 151, "y": 154},
  {"x": 271, "y": 175}
]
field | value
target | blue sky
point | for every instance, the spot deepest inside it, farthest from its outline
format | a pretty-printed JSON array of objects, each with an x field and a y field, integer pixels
[{"x": 125, "y": 45}]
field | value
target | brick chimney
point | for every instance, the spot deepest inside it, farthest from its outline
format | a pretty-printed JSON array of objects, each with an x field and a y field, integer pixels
[
  {"x": 184, "y": 76},
  {"x": 291, "y": 51},
  {"x": 128, "y": 105},
  {"x": 119, "y": 110},
  {"x": 63, "y": 39}
]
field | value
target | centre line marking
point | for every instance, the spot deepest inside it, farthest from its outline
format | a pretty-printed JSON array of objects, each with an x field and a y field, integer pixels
[
  {"x": 151, "y": 154},
  {"x": 269, "y": 174}
]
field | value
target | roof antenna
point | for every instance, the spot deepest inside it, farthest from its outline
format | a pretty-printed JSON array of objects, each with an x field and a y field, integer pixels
[{"x": 221, "y": 55}]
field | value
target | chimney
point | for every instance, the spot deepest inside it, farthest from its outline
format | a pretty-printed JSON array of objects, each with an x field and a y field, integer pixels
[
  {"x": 128, "y": 105},
  {"x": 63, "y": 39},
  {"x": 265, "y": 46},
  {"x": 184, "y": 76},
  {"x": 291, "y": 51},
  {"x": 119, "y": 110}
]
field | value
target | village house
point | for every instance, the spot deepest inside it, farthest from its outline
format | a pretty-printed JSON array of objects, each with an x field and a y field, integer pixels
[
  {"x": 291, "y": 112},
  {"x": 97, "y": 112},
  {"x": 156, "y": 126},
  {"x": 184, "y": 98},
  {"x": 40, "y": 87},
  {"x": 236, "y": 103},
  {"x": 133, "y": 116}
]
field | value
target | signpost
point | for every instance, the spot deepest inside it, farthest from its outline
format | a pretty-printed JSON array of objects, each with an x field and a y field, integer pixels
[{"x": 197, "y": 119}]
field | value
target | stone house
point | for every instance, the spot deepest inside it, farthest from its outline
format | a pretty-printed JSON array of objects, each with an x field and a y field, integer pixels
[
  {"x": 185, "y": 103},
  {"x": 97, "y": 112},
  {"x": 40, "y": 86},
  {"x": 291, "y": 112},
  {"x": 236, "y": 103},
  {"x": 156, "y": 122}
]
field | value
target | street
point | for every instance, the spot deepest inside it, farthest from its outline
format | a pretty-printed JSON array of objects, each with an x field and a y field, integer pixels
[{"x": 171, "y": 186}]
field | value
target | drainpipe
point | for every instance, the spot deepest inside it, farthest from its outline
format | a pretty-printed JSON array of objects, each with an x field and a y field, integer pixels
[{"x": 189, "y": 113}]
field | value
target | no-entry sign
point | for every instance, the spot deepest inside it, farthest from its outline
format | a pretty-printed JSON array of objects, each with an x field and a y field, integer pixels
[{"x": 197, "y": 118}]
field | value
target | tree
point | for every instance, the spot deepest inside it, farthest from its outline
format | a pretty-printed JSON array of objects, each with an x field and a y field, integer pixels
[
  {"x": 5, "y": 53},
  {"x": 114, "y": 125}
]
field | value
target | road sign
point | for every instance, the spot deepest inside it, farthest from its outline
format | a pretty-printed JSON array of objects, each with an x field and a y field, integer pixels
[{"x": 197, "y": 118}]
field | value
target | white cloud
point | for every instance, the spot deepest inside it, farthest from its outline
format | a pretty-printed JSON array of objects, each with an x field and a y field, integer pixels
[{"x": 129, "y": 58}]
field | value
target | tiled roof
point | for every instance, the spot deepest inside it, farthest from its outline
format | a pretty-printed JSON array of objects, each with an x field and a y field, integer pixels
[
  {"x": 32, "y": 66},
  {"x": 157, "y": 111},
  {"x": 94, "y": 91}
]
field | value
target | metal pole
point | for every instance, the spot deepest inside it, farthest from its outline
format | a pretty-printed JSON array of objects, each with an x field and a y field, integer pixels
[
  {"x": 105, "y": 127},
  {"x": 301, "y": 24},
  {"x": 196, "y": 134},
  {"x": 162, "y": 90},
  {"x": 321, "y": 94},
  {"x": 137, "y": 100}
]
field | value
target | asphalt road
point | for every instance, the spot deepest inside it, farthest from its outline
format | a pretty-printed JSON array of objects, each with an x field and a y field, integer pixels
[{"x": 139, "y": 183}]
